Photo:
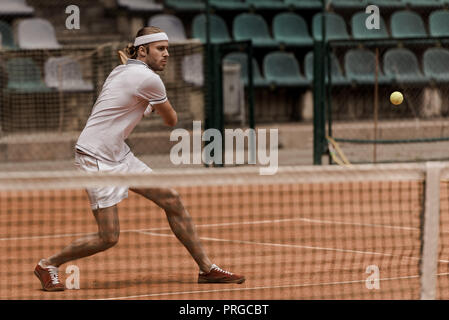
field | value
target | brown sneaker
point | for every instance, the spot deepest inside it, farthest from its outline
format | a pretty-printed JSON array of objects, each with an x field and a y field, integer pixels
[
  {"x": 49, "y": 278},
  {"x": 217, "y": 275}
]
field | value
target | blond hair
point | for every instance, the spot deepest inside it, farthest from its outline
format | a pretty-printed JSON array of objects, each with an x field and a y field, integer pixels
[{"x": 131, "y": 50}]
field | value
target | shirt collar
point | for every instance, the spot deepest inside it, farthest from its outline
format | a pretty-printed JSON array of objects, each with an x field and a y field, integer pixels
[{"x": 137, "y": 62}]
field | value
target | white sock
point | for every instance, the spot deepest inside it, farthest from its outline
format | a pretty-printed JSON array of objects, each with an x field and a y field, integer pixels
[{"x": 213, "y": 266}]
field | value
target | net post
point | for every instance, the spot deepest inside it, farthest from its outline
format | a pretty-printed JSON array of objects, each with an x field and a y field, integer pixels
[{"x": 430, "y": 231}]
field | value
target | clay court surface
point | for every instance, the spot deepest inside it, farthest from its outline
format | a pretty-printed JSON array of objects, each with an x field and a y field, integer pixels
[{"x": 290, "y": 241}]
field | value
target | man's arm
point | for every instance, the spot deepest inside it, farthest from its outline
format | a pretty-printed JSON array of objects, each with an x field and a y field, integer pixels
[{"x": 167, "y": 113}]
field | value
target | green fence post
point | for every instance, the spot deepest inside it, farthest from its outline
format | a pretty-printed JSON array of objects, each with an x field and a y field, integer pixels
[
  {"x": 318, "y": 102},
  {"x": 251, "y": 121},
  {"x": 218, "y": 97}
]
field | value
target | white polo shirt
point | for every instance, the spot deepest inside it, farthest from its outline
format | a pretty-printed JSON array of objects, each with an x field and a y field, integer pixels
[{"x": 119, "y": 108}]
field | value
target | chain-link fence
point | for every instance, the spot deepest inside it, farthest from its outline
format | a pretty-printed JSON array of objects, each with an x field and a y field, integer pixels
[
  {"x": 53, "y": 67},
  {"x": 372, "y": 54}
]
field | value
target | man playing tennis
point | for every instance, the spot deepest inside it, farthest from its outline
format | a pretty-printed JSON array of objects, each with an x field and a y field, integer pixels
[{"x": 124, "y": 98}]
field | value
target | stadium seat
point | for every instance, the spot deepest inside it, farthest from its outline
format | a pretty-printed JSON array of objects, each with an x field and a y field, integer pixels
[
  {"x": 304, "y": 4},
  {"x": 335, "y": 28},
  {"x": 392, "y": 4},
  {"x": 439, "y": 23},
  {"x": 407, "y": 24},
  {"x": 171, "y": 24},
  {"x": 349, "y": 4},
  {"x": 360, "y": 67},
  {"x": 229, "y": 4},
  {"x": 425, "y": 3},
  {"x": 185, "y": 5},
  {"x": 7, "y": 36},
  {"x": 336, "y": 72},
  {"x": 282, "y": 69},
  {"x": 267, "y": 4},
  {"x": 360, "y": 31},
  {"x": 402, "y": 66},
  {"x": 192, "y": 69},
  {"x": 242, "y": 59},
  {"x": 250, "y": 26},
  {"x": 36, "y": 33},
  {"x": 291, "y": 29},
  {"x": 24, "y": 76},
  {"x": 15, "y": 8},
  {"x": 436, "y": 64},
  {"x": 71, "y": 78},
  {"x": 219, "y": 31},
  {"x": 141, "y": 5}
]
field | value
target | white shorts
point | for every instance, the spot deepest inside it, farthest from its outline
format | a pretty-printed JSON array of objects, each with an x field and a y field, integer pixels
[{"x": 104, "y": 197}]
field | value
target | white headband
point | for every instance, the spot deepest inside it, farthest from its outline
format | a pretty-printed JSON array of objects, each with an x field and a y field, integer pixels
[{"x": 161, "y": 36}]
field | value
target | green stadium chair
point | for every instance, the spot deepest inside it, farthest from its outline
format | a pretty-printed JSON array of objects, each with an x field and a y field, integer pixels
[
  {"x": 242, "y": 59},
  {"x": 402, "y": 66},
  {"x": 282, "y": 69},
  {"x": 407, "y": 24},
  {"x": 71, "y": 78},
  {"x": 141, "y": 5},
  {"x": 336, "y": 72},
  {"x": 360, "y": 67},
  {"x": 391, "y": 4},
  {"x": 425, "y": 3},
  {"x": 219, "y": 31},
  {"x": 229, "y": 5},
  {"x": 439, "y": 23},
  {"x": 304, "y": 4},
  {"x": 267, "y": 4},
  {"x": 436, "y": 64},
  {"x": 24, "y": 76},
  {"x": 18, "y": 8},
  {"x": 37, "y": 33},
  {"x": 291, "y": 29},
  {"x": 360, "y": 31},
  {"x": 172, "y": 25},
  {"x": 185, "y": 5},
  {"x": 349, "y": 4},
  {"x": 335, "y": 27},
  {"x": 250, "y": 26},
  {"x": 7, "y": 36}
]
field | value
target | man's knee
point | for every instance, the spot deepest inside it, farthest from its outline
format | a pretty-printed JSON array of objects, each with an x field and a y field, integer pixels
[
  {"x": 172, "y": 201},
  {"x": 173, "y": 194},
  {"x": 109, "y": 240}
]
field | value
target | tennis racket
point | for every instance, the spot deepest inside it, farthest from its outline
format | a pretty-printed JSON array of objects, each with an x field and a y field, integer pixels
[{"x": 122, "y": 57}]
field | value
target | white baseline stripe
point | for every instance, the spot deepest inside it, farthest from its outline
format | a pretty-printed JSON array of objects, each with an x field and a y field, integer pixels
[
  {"x": 260, "y": 288},
  {"x": 221, "y": 225},
  {"x": 293, "y": 246}
]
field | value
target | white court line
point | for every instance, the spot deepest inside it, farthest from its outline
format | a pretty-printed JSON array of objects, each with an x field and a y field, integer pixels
[
  {"x": 293, "y": 246},
  {"x": 292, "y": 220},
  {"x": 260, "y": 288},
  {"x": 218, "y": 225},
  {"x": 50, "y": 236}
]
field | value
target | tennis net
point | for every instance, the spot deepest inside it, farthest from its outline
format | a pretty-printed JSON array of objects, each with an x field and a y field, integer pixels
[{"x": 359, "y": 232}]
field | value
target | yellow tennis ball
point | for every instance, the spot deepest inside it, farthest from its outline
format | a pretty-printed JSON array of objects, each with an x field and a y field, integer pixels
[{"x": 396, "y": 98}]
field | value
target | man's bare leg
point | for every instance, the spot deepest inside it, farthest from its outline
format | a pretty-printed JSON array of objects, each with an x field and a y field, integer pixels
[
  {"x": 180, "y": 222},
  {"x": 107, "y": 236}
]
